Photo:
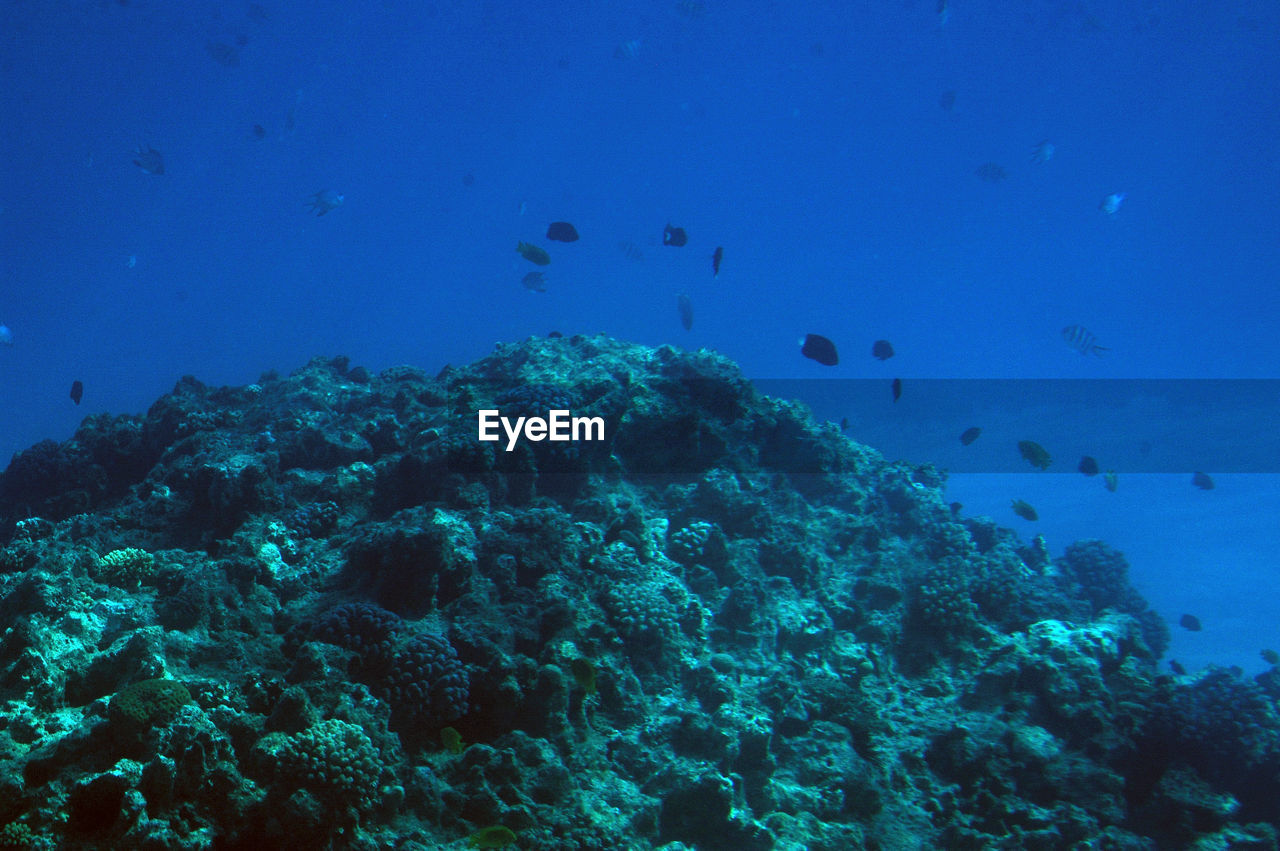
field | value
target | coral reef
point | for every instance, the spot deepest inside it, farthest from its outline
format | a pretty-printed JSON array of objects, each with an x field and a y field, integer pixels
[{"x": 328, "y": 616}]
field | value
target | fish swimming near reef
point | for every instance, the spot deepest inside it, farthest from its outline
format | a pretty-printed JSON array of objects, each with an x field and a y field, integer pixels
[
  {"x": 562, "y": 232},
  {"x": 533, "y": 254},
  {"x": 882, "y": 349},
  {"x": 1191, "y": 623},
  {"x": 1089, "y": 466},
  {"x": 897, "y": 389},
  {"x": 77, "y": 391},
  {"x": 534, "y": 282},
  {"x": 969, "y": 435},
  {"x": 1082, "y": 340},
  {"x": 1024, "y": 510},
  {"x": 674, "y": 236},
  {"x": 1043, "y": 152},
  {"x": 1111, "y": 480},
  {"x": 684, "y": 305},
  {"x": 716, "y": 257},
  {"x": 1203, "y": 481},
  {"x": 6, "y": 336},
  {"x": 324, "y": 201},
  {"x": 1035, "y": 454},
  {"x": 819, "y": 348},
  {"x": 1111, "y": 203},
  {"x": 149, "y": 160}
]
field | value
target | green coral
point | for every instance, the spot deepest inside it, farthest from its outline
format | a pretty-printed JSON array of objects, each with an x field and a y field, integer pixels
[
  {"x": 148, "y": 703},
  {"x": 16, "y": 836},
  {"x": 335, "y": 761},
  {"x": 126, "y": 568}
]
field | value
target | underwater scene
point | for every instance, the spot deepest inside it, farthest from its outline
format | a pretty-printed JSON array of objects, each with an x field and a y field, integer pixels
[{"x": 698, "y": 425}]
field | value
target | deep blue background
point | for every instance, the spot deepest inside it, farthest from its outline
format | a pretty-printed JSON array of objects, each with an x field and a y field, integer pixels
[{"x": 806, "y": 138}]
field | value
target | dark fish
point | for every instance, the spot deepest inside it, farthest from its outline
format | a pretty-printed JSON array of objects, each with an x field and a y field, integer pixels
[
  {"x": 1176, "y": 667},
  {"x": 844, "y": 423},
  {"x": 1089, "y": 465},
  {"x": 674, "y": 236},
  {"x": 716, "y": 257},
  {"x": 882, "y": 349},
  {"x": 1025, "y": 511},
  {"x": 223, "y": 53},
  {"x": 1079, "y": 338},
  {"x": 151, "y": 161},
  {"x": 77, "y": 391},
  {"x": 948, "y": 100},
  {"x": 685, "y": 305},
  {"x": 535, "y": 282},
  {"x": 1111, "y": 480},
  {"x": 631, "y": 251},
  {"x": 554, "y": 335},
  {"x": 991, "y": 172},
  {"x": 533, "y": 254},
  {"x": 1191, "y": 623},
  {"x": 1202, "y": 481},
  {"x": 1271, "y": 657},
  {"x": 819, "y": 348},
  {"x": 897, "y": 389},
  {"x": 969, "y": 435},
  {"x": 1036, "y": 455},
  {"x": 259, "y": 132},
  {"x": 562, "y": 232},
  {"x": 468, "y": 179}
]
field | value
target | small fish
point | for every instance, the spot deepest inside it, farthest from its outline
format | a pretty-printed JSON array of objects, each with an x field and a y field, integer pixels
[
  {"x": 1082, "y": 340},
  {"x": 1191, "y": 623},
  {"x": 631, "y": 251},
  {"x": 468, "y": 179},
  {"x": 1043, "y": 152},
  {"x": 947, "y": 100},
  {"x": 819, "y": 348},
  {"x": 259, "y": 132},
  {"x": 1271, "y": 657},
  {"x": 1036, "y": 455},
  {"x": 1111, "y": 204},
  {"x": 897, "y": 389},
  {"x": 1089, "y": 466},
  {"x": 132, "y": 262},
  {"x": 1202, "y": 481},
  {"x": 1177, "y": 668},
  {"x": 1111, "y": 480},
  {"x": 452, "y": 740},
  {"x": 533, "y": 254},
  {"x": 149, "y": 160},
  {"x": 223, "y": 53},
  {"x": 324, "y": 201},
  {"x": 534, "y": 282},
  {"x": 991, "y": 172},
  {"x": 716, "y": 257},
  {"x": 684, "y": 304},
  {"x": 844, "y": 423},
  {"x": 584, "y": 674},
  {"x": 882, "y": 349},
  {"x": 627, "y": 50},
  {"x": 674, "y": 236},
  {"x": 692, "y": 9},
  {"x": 496, "y": 836},
  {"x": 6, "y": 336},
  {"x": 562, "y": 232},
  {"x": 969, "y": 435},
  {"x": 1024, "y": 510},
  {"x": 77, "y": 391},
  {"x": 944, "y": 12}
]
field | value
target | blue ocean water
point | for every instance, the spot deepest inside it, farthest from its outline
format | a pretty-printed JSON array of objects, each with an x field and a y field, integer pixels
[{"x": 832, "y": 149}]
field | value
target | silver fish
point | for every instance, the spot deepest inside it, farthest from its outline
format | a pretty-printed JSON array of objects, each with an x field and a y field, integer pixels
[{"x": 1082, "y": 340}]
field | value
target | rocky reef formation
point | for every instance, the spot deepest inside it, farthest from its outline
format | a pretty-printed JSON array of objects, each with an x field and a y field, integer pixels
[{"x": 317, "y": 612}]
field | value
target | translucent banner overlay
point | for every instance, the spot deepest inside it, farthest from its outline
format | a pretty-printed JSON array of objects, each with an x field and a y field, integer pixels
[{"x": 1127, "y": 425}]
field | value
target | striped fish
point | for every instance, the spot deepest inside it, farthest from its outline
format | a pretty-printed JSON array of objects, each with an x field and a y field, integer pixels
[{"x": 1082, "y": 340}]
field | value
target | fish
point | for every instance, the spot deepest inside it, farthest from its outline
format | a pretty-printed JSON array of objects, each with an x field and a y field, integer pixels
[
  {"x": 1043, "y": 151},
  {"x": 1271, "y": 657},
  {"x": 6, "y": 336},
  {"x": 991, "y": 172},
  {"x": 77, "y": 391},
  {"x": 1202, "y": 481},
  {"x": 631, "y": 251},
  {"x": 627, "y": 49},
  {"x": 1111, "y": 203},
  {"x": 1191, "y": 623},
  {"x": 150, "y": 160},
  {"x": 452, "y": 740},
  {"x": 1177, "y": 668},
  {"x": 1024, "y": 510},
  {"x": 584, "y": 674},
  {"x": 1036, "y": 455},
  {"x": 674, "y": 236},
  {"x": 562, "y": 232},
  {"x": 691, "y": 8},
  {"x": 844, "y": 423},
  {"x": 969, "y": 435},
  {"x": 324, "y": 201},
  {"x": 716, "y": 257},
  {"x": 259, "y": 132},
  {"x": 897, "y": 389},
  {"x": 533, "y": 254},
  {"x": 1089, "y": 466},
  {"x": 944, "y": 12},
  {"x": 882, "y": 349},
  {"x": 819, "y": 348},
  {"x": 1082, "y": 340},
  {"x": 1111, "y": 480},
  {"x": 534, "y": 282},
  {"x": 684, "y": 304},
  {"x": 947, "y": 100},
  {"x": 223, "y": 53}
]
